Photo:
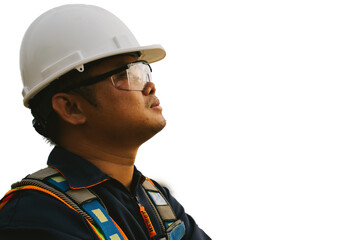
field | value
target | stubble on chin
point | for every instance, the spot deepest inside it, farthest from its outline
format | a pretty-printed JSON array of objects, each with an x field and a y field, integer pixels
[{"x": 159, "y": 126}]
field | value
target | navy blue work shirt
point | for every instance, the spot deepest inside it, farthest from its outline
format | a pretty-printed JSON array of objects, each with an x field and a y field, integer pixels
[{"x": 35, "y": 215}]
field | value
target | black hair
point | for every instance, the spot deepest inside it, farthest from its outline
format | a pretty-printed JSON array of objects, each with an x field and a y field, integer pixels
[{"x": 45, "y": 119}]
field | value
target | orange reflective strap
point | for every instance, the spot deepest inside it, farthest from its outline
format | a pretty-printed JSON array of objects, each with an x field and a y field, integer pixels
[{"x": 147, "y": 221}]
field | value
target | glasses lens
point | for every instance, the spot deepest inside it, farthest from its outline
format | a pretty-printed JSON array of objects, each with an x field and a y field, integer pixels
[{"x": 134, "y": 78}]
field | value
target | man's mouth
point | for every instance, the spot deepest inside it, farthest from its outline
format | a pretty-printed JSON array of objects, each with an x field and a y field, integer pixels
[{"x": 155, "y": 103}]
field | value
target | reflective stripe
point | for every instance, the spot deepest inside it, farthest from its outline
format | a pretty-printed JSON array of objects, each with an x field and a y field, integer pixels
[
  {"x": 58, "y": 179},
  {"x": 60, "y": 182},
  {"x": 120, "y": 230},
  {"x": 157, "y": 198},
  {"x": 115, "y": 237},
  {"x": 99, "y": 215}
]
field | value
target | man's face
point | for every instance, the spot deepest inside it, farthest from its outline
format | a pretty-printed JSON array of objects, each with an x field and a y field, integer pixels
[{"x": 127, "y": 117}]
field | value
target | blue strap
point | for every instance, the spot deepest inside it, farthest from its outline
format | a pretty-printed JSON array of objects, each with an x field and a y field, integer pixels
[
  {"x": 94, "y": 209},
  {"x": 103, "y": 220},
  {"x": 178, "y": 232},
  {"x": 60, "y": 182}
]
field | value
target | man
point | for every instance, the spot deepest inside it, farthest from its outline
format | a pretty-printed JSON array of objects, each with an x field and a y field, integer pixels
[{"x": 88, "y": 84}]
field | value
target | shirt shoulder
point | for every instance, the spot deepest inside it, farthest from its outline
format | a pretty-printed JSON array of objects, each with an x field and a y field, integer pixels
[{"x": 35, "y": 214}]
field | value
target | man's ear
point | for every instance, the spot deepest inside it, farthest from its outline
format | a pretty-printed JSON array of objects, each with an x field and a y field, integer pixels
[{"x": 68, "y": 107}]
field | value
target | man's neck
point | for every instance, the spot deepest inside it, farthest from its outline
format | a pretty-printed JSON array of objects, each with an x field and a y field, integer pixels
[{"x": 117, "y": 163}]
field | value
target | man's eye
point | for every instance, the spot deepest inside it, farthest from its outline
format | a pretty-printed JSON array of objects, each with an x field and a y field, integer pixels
[{"x": 120, "y": 76}]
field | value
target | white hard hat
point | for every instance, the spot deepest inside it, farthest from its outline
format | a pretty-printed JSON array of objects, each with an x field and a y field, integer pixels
[{"x": 67, "y": 37}]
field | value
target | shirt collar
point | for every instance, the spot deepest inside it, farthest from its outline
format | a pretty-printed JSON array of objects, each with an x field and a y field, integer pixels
[{"x": 79, "y": 172}]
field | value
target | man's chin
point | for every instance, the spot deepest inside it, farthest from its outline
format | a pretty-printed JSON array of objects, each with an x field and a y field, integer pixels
[
  {"x": 159, "y": 127},
  {"x": 155, "y": 129}
]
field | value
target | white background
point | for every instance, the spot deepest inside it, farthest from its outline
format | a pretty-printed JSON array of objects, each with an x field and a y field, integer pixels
[{"x": 262, "y": 103}]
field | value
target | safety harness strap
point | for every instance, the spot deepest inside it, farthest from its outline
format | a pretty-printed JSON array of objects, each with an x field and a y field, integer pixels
[
  {"x": 10, "y": 194},
  {"x": 43, "y": 173},
  {"x": 86, "y": 203},
  {"x": 175, "y": 229},
  {"x": 81, "y": 200}
]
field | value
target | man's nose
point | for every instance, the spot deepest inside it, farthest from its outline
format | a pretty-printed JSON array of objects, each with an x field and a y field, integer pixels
[{"x": 149, "y": 89}]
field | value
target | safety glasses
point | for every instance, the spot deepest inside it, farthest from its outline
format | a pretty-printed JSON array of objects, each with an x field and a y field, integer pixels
[{"x": 130, "y": 77}]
